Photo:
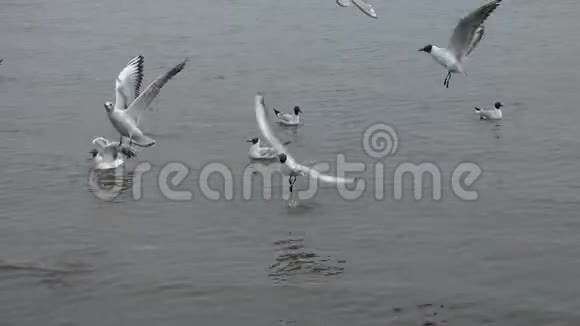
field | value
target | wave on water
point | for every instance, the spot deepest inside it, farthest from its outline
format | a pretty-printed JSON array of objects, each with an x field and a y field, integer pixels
[{"x": 294, "y": 260}]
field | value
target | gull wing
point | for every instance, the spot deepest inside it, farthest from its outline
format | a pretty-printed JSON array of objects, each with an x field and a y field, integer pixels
[
  {"x": 128, "y": 83},
  {"x": 285, "y": 117},
  {"x": 108, "y": 149},
  {"x": 144, "y": 100},
  {"x": 290, "y": 161},
  {"x": 469, "y": 31},
  {"x": 344, "y": 3},
  {"x": 365, "y": 7},
  {"x": 268, "y": 152}
]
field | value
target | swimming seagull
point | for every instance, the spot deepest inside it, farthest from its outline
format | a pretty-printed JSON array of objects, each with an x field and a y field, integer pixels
[
  {"x": 492, "y": 114},
  {"x": 363, "y": 5},
  {"x": 466, "y": 36},
  {"x": 287, "y": 118},
  {"x": 110, "y": 155},
  {"x": 295, "y": 168},
  {"x": 125, "y": 114},
  {"x": 258, "y": 152}
]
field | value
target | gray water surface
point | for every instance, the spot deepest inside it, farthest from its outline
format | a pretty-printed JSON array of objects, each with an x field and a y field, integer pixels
[{"x": 509, "y": 258}]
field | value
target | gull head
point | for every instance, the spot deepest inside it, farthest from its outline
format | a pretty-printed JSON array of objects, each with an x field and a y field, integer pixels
[
  {"x": 297, "y": 110},
  {"x": 254, "y": 140},
  {"x": 108, "y": 106},
  {"x": 426, "y": 48},
  {"x": 282, "y": 157},
  {"x": 93, "y": 153},
  {"x": 498, "y": 105}
]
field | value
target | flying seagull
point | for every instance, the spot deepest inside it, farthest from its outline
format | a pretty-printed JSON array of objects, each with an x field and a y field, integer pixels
[
  {"x": 287, "y": 118},
  {"x": 491, "y": 114},
  {"x": 363, "y": 5},
  {"x": 125, "y": 114},
  {"x": 285, "y": 157},
  {"x": 466, "y": 36}
]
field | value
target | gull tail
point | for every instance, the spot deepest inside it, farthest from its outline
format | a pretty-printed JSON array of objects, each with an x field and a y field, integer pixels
[
  {"x": 276, "y": 112},
  {"x": 477, "y": 109},
  {"x": 143, "y": 141}
]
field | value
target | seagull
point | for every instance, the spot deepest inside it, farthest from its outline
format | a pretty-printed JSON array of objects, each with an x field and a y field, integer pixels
[
  {"x": 295, "y": 169},
  {"x": 125, "y": 114},
  {"x": 287, "y": 118},
  {"x": 466, "y": 36},
  {"x": 258, "y": 152},
  {"x": 363, "y": 5},
  {"x": 110, "y": 155},
  {"x": 492, "y": 114}
]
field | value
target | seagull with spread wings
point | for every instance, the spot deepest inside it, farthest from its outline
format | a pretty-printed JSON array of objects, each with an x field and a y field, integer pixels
[
  {"x": 125, "y": 113},
  {"x": 296, "y": 169},
  {"x": 466, "y": 36}
]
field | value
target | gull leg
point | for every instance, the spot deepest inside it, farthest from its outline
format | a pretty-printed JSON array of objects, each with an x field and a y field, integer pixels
[
  {"x": 447, "y": 79},
  {"x": 292, "y": 180},
  {"x": 130, "y": 140}
]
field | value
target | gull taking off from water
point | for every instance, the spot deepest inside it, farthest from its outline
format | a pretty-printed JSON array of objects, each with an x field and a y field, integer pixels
[
  {"x": 285, "y": 158},
  {"x": 287, "y": 118},
  {"x": 363, "y": 5},
  {"x": 125, "y": 114},
  {"x": 466, "y": 36},
  {"x": 492, "y": 114},
  {"x": 110, "y": 155}
]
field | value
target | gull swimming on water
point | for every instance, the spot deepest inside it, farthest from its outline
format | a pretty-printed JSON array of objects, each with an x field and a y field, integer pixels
[
  {"x": 466, "y": 36},
  {"x": 363, "y": 5},
  {"x": 295, "y": 169},
  {"x": 110, "y": 155},
  {"x": 491, "y": 114},
  {"x": 287, "y": 118},
  {"x": 258, "y": 152},
  {"x": 125, "y": 114}
]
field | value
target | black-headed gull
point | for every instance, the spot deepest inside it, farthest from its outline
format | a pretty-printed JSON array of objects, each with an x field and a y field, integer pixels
[
  {"x": 363, "y": 5},
  {"x": 466, "y": 36},
  {"x": 258, "y": 152},
  {"x": 125, "y": 114},
  {"x": 491, "y": 114},
  {"x": 287, "y": 118},
  {"x": 294, "y": 167},
  {"x": 110, "y": 155}
]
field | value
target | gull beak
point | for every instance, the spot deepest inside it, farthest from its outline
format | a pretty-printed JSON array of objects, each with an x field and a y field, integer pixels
[{"x": 248, "y": 141}]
